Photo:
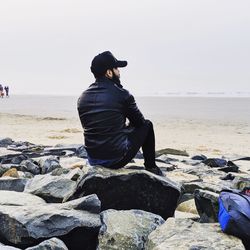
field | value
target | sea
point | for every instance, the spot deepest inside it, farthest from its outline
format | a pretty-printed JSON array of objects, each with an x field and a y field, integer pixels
[{"x": 224, "y": 108}]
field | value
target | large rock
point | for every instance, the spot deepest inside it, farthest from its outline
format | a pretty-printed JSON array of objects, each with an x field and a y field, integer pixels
[
  {"x": 26, "y": 226},
  {"x": 51, "y": 244},
  {"x": 126, "y": 189},
  {"x": 186, "y": 234},
  {"x": 126, "y": 229},
  {"x": 207, "y": 205},
  {"x": 12, "y": 184},
  {"x": 12, "y": 198},
  {"x": 4, "y": 247},
  {"x": 89, "y": 203},
  {"x": 51, "y": 188}
]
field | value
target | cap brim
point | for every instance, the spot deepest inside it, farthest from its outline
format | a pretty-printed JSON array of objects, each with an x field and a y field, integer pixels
[{"x": 121, "y": 64}]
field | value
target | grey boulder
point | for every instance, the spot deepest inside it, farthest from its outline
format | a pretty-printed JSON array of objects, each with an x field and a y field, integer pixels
[
  {"x": 26, "y": 226},
  {"x": 51, "y": 188},
  {"x": 186, "y": 234},
  {"x": 13, "y": 198},
  {"x": 126, "y": 229},
  {"x": 126, "y": 189}
]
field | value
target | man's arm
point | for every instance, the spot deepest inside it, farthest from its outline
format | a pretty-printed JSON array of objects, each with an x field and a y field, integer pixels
[{"x": 132, "y": 112}]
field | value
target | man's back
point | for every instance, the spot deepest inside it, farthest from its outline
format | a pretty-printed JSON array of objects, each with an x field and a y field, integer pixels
[{"x": 102, "y": 111}]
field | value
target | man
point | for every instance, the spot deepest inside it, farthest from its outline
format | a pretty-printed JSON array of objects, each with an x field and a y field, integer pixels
[
  {"x": 1, "y": 91},
  {"x": 103, "y": 109},
  {"x": 6, "y": 88}
]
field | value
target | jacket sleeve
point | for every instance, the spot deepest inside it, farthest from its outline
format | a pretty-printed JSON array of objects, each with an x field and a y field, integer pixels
[{"x": 132, "y": 112}]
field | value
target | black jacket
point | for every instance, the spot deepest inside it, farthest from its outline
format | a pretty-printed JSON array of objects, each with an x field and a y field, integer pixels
[{"x": 103, "y": 109}]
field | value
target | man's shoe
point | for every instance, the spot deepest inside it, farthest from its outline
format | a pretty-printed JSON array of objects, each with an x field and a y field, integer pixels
[{"x": 155, "y": 170}]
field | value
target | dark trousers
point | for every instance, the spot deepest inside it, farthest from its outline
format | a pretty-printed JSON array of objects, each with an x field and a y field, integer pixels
[{"x": 142, "y": 137}]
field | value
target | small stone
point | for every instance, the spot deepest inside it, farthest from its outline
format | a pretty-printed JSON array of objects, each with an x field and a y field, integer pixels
[
  {"x": 18, "y": 159},
  {"x": 171, "y": 151},
  {"x": 4, "y": 142},
  {"x": 187, "y": 206},
  {"x": 11, "y": 173},
  {"x": 79, "y": 164},
  {"x": 4, "y": 168},
  {"x": 48, "y": 164},
  {"x": 30, "y": 166},
  {"x": 60, "y": 171},
  {"x": 241, "y": 182}
]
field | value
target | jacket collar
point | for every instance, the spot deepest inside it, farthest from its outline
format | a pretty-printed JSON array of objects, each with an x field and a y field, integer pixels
[{"x": 105, "y": 79}]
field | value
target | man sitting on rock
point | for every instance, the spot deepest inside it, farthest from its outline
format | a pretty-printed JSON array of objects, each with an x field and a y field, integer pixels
[{"x": 103, "y": 109}]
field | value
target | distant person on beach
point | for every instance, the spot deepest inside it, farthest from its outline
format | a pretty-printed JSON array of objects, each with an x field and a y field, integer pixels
[
  {"x": 103, "y": 109},
  {"x": 1, "y": 91},
  {"x": 6, "y": 88}
]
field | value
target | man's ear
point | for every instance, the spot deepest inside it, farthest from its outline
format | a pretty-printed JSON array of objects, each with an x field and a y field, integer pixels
[{"x": 109, "y": 73}]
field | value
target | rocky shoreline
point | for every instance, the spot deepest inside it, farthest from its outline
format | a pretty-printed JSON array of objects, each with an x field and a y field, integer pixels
[{"x": 50, "y": 198}]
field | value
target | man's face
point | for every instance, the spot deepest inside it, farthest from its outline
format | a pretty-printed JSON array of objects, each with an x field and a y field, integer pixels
[
  {"x": 113, "y": 74},
  {"x": 116, "y": 72}
]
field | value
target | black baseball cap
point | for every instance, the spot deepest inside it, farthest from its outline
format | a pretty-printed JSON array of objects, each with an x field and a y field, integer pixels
[{"x": 105, "y": 61}]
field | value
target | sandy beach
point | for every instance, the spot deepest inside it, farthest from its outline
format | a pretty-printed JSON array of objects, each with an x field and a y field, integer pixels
[
  {"x": 212, "y": 127},
  {"x": 209, "y": 135}
]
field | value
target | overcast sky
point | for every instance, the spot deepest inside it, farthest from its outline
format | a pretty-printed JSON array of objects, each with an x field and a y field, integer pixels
[{"x": 46, "y": 46}]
